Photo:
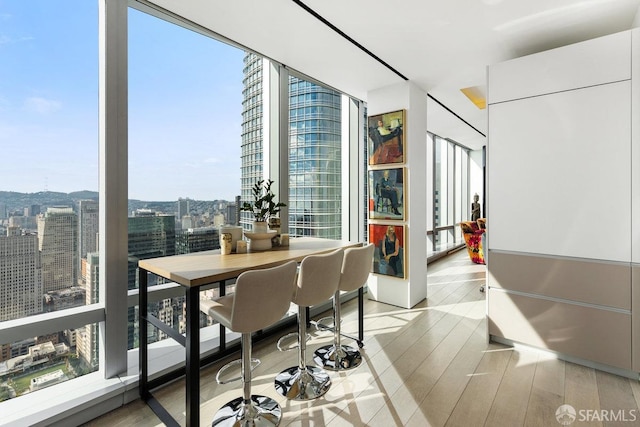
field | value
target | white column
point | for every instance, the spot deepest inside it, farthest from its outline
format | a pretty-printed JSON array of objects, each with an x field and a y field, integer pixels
[{"x": 407, "y": 293}]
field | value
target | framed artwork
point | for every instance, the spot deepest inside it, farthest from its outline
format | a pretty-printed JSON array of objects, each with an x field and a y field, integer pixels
[
  {"x": 387, "y": 194},
  {"x": 389, "y": 257},
  {"x": 386, "y": 138}
]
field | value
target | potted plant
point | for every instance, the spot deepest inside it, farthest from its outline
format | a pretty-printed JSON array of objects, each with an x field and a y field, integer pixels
[{"x": 263, "y": 206}]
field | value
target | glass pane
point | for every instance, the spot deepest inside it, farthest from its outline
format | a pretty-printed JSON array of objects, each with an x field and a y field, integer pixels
[
  {"x": 430, "y": 183},
  {"x": 186, "y": 102},
  {"x": 49, "y": 139},
  {"x": 441, "y": 194},
  {"x": 464, "y": 170},
  {"x": 34, "y": 363},
  {"x": 450, "y": 183},
  {"x": 458, "y": 184}
]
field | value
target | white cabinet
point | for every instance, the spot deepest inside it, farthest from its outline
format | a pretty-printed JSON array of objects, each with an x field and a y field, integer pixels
[
  {"x": 564, "y": 189},
  {"x": 593, "y": 62},
  {"x": 560, "y": 173}
]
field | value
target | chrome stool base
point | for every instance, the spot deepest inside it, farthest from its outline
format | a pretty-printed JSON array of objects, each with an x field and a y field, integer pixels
[
  {"x": 307, "y": 384},
  {"x": 261, "y": 412},
  {"x": 341, "y": 359}
]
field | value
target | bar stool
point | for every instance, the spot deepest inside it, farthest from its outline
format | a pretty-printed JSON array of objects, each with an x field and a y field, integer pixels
[
  {"x": 260, "y": 299},
  {"x": 355, "y": 272},
  {"x": 317, "y": 282}
]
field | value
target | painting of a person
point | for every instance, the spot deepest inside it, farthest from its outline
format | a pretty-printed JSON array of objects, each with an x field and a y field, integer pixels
[
  {"x": 388, "y": 191},
  {"x": 386, "y": 138},
  {"x": 387, "y": 134},
  {"x": 475, "y": 208},
  {"x": 391, "y": 249}
]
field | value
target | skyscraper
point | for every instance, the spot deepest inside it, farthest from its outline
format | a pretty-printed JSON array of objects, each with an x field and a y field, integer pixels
[
  {"x": 197, "y": 240},
  {"x": 88, "y": 227},
  {"x": 87, "y": 337},
  {"x": 315, "y": 177},
  {"x": 57, "y": 234},
  {"x": 20, "y": 276},
  {"x": 150, "y": 235},
  {"x": 251, "y": 142},
  {"x": 183, "y": 209}
]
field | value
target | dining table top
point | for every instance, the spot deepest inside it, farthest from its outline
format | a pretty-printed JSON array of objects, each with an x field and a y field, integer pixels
[{"x": 201, "y": 268}]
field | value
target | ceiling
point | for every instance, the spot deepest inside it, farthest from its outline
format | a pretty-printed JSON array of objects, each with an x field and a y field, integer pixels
[{"x": 440, "y": 45}]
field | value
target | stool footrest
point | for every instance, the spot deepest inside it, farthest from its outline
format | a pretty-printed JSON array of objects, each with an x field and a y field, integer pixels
[
  {"x": 282, "y": 344},
  {"x": 324, "y": 324},
  {"x": 234, "y": 364}
]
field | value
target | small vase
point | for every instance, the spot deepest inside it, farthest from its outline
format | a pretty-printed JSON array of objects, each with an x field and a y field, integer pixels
[{"x": 274, "y": 224}]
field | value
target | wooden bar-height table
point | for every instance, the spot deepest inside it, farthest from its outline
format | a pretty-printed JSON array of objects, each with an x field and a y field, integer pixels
[{"x": 202, "y": 268}]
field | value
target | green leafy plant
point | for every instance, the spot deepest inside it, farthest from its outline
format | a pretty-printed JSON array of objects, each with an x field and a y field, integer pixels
[{"x": 263, "y": 206}]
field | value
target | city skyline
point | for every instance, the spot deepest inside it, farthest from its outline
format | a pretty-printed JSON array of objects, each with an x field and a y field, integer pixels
[{"x": 185, "y": 93}]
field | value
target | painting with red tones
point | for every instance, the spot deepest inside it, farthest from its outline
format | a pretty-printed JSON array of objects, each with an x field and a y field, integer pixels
[{"x": 387, "y": 142}]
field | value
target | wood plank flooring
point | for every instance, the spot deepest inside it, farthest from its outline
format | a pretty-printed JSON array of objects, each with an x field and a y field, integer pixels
[{"x": 427, "y": 366}]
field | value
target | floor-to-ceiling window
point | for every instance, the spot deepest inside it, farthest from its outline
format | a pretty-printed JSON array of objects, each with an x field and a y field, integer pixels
[
  {"x": 186, "y": 95},
  {"x": 48, "y": 192},
  {"x": 448, "y": 193},
  {"x": 186, "y": 100}
]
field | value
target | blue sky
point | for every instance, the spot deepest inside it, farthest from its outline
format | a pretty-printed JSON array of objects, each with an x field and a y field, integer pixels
[{"x": 185, "y": 95}]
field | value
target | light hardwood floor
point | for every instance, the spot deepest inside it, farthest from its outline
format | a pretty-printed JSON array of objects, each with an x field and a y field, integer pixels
[{"x": 427, "y": 366}]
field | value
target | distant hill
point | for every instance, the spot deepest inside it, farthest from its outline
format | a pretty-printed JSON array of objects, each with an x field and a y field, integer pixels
[
  {"x": 18, "y": 201},
  {"x": 84, "y": 195},
  {"x": 15, "y": 201}
]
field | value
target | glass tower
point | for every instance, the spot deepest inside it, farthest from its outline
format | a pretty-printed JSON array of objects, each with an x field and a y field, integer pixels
[
  {"x": 315, "y": 178},
  {"x": 88, "y": 227},
  {"x": 251, "y": 142},
  {"x": 151, "y": 235}
]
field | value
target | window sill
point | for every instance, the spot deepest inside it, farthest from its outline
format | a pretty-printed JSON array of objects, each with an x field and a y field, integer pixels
[{"x": 84, "y": 398}]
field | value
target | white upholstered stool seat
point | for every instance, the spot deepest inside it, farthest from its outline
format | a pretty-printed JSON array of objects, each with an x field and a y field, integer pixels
[
  {"x": 356, "y": 267},
  {"x": 317, "y": 282},
  {"x": 261, "y": 298}
]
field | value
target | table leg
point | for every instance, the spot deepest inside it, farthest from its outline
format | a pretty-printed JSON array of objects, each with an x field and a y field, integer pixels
[
  {"x": 192, "y": 371},
  {"x": 142, "y": 333},
  {"x": 361, "y": 315},
  {"x": 222, "y": 291}
]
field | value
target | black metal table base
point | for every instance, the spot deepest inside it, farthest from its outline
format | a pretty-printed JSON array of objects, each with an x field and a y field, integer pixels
[{"x": 192, "y": 347}]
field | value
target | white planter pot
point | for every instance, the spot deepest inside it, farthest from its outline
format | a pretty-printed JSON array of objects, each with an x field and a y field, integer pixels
[{"x": 260, "y": 227}]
